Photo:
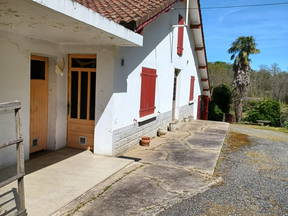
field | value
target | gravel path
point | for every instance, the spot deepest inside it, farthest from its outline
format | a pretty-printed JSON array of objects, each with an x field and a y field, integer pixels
[{"x": 254, "y": 167}]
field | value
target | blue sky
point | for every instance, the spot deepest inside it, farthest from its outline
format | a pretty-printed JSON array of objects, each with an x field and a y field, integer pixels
[{"x": 269, "y": 26}]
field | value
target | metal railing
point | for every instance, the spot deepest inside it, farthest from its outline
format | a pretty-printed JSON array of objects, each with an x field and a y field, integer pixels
[{"x": 16, "y": 106}]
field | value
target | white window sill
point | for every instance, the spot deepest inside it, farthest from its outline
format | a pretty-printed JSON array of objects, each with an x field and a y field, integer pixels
[{"x": 144, "y": 118}]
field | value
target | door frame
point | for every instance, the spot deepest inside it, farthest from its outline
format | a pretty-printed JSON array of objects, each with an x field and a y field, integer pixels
[
  {"x": 70, "y": 56},
  {"x": 175, "y": 93},
  {"x": 46, "y": 60}
]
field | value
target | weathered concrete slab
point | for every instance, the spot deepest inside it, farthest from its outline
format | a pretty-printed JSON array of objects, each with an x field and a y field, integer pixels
[
  {"x": 56, "y": 185},
  {"x": 196, "y": 145},
  {"x": 203, "y": 143},
  {"x": 173, "y": 168},
  {"x": 204, "y": 161},
  {"x": 145, "y": 191}
]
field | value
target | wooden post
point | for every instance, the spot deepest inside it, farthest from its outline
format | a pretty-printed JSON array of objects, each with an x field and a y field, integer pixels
[
  {"x": 20, "y": 164},
  {"x": 16, "y": 106}
]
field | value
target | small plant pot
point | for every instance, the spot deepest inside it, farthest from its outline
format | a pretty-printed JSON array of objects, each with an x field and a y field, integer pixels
[
  {"x": 185, "y": 119},
  {"x": 161, "y": 132},
  {"x": 145, "y": 141}
]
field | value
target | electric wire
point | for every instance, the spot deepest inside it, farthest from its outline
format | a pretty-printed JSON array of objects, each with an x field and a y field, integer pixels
[{"x": 238, "y": 6}]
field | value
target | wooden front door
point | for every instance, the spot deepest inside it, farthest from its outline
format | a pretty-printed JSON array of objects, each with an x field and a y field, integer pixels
[
  {"x": 38, "y": 103},
  {"x": 81, "y": 101}
]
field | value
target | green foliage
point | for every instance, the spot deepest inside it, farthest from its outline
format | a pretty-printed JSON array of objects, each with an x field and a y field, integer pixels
[
  {"x": 268, "y": 110},
  {"x": 249, "y": 105},
  {"x": 284, "y": 115},
  {"x": 269, "y": 82},
  {"x": 220, "y": 73},
  {"x": 222, "y": 97},
  {"x": 285, "y": 124},
  {"x": 240, "y": 49},
  {"x": 215, "y": 113}
]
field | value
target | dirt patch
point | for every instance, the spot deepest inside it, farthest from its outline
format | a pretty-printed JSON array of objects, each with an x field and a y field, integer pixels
[
  {"x": 216, "y": 209},
  {"x": 235, "y": 141},
  {"x": 261, "y": 161},
  {"x": 276, "y": 129},
  {"x": 263, "y": 132}
]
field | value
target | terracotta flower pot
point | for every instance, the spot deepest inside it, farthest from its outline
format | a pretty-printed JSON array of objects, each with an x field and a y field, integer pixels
[
  {"x": 185, "y": 119},
  {"x": 161, "y": 132},
  {"x": 145, "y": 141}
]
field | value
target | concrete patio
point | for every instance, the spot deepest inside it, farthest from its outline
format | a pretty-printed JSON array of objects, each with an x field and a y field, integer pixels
[
  {"x": 55, "y": 179},
  {"x": 195, "y": 146},
  {"x": 174, "y": 167},
  {"x": 72, "y": 182}
]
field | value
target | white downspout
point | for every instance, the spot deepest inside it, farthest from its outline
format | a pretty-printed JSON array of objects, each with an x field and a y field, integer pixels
[{"x": 187, "y": 12}]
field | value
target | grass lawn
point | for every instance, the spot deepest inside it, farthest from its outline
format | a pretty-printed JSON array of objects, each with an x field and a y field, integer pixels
[{"x": 277, "y": 129}]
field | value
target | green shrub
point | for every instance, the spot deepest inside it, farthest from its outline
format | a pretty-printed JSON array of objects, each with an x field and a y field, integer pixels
[
  {"x": 284, "y": 115},
  {"x": 249, "y": 105},
  {"x": 222, "y": 96},
  {"x": 215, "y": 113},
  {"x": 268, "y": 110},
  {"x": 285, "y": 124}
]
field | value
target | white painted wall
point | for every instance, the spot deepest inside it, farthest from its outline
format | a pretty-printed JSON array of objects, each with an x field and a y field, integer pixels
[
  {"x": 159, "y": 52},
  {"x": 122, "y": 103},
  {"x": 118, "y": 88},
  {"x": 15, "y": 52},
  {"x": 12, "y": 89}
]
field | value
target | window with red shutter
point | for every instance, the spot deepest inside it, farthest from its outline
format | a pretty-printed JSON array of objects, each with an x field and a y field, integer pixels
[
  {"x": 148, "y": 88},
  {"x": 180, "y": 36},
  {"x": 192, "y": 82}
]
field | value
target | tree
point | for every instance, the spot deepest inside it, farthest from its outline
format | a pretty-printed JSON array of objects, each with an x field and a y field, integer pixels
[
  {"x": 220, "y": 73},
  {"x": 222, "y": 97},
  {"x": 241, "y": 49},
  {"x": 261, "y": 83}
]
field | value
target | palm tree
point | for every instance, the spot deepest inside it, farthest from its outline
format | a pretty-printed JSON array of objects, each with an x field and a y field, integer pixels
[{"x": 241, "y": 49}]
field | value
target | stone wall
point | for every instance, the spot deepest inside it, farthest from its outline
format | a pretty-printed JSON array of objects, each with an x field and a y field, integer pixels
[
  {"x": 126, "y": 137},
  {"x": 185, "y": 111}
]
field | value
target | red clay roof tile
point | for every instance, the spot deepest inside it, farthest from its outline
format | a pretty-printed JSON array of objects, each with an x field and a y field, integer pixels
[{"x": 130, "y": 13}]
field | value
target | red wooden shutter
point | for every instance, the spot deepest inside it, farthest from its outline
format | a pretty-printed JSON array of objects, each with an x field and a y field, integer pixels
[
  {"x": 192, "y": 81},
  {"x": 180, "y": 36},
  {"x": 148, "y": 88}
]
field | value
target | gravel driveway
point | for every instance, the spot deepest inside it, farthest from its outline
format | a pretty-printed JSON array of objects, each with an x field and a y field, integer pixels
[{"x": 254, "y": 166}]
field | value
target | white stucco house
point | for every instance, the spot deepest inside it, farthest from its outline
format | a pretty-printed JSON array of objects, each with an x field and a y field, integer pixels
[{"x": 100, "y": 74}]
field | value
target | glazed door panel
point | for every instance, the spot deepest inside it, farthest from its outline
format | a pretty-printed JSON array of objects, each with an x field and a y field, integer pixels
[{"x": 81, "y": 101}]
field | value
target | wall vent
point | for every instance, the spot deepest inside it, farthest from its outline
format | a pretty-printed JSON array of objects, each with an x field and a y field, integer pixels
[
  {"x": 35, "y": 142},
  {"x": 83, "y": 140}
]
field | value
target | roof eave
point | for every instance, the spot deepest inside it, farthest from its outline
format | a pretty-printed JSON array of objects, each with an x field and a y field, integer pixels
[
  {"x": 85, "y": 15},
  {"x": 196, "y": 27}
]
